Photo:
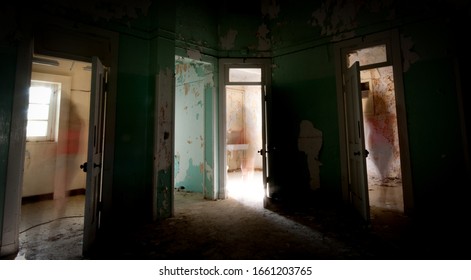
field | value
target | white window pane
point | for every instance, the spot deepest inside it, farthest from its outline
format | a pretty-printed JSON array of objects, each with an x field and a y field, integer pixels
[
  {"x": 36, "y": 129},
  {"x": 245, "y": 75},
  {"x": 40, "y": 94},
  {"x": 38, "y": 112},
  {"x": 41, "y": 110},
  {"x": 367, "y": 56}
]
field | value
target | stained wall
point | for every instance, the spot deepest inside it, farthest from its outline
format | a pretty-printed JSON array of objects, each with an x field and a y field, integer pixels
[
  {"x": 380, "y": 124},
  {"x": 189, "y": 163}
]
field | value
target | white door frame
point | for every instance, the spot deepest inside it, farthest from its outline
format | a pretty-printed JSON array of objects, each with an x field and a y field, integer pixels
[{"x": 392, "y": 41}]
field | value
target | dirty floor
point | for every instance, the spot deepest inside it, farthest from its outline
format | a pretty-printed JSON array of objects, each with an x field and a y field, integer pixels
[{"x": 238, "y": 229}]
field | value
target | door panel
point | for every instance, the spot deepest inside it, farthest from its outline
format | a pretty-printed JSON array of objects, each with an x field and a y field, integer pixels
[
  {"x": 264, "y": 152},
  {"x": 358, "y": 180},
  {"x": 93, "y": 166}
]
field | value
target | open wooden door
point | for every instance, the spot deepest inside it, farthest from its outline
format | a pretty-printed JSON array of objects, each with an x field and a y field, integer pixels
[
  {"x": 358, "y": 180},
  {"x": 264, "y": 152},
  {"x": 93, "y": 166}
]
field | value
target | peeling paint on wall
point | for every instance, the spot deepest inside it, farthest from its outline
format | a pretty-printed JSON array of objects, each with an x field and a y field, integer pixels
[
  {"x": 164, "y": 197},
  {"x": 194, "y": 54},
  {"x": 192, "y": 176},
  {"x": 310, "y": 142},
  {"x": 264, "y": 42},
  {"x": 209, "y": 189},
  {"x": 335, "y": 16},
  {"x": 193, "y": 79},
  {"x": 163, "y": 151},
  {"x": 209, "y": 172},
  {"x": 380, "y": 123},
  {"x": 227, "y": 41}
]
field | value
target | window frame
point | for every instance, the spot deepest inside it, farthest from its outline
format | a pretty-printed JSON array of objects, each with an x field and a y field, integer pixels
[{"x": 53, "y": 116}]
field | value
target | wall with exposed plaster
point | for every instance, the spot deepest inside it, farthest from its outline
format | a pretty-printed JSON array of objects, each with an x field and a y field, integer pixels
[
  {"x": 194, "y": 123},
  {"x": 310, "y": 142},
  {"x": 191, "y": 77},
  {"x": 380, "y": 124},
  {"x": 164, "y": 141}
]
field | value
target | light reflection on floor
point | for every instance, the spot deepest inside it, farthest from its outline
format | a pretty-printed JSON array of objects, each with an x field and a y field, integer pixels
[{"x": 246, "y": 188}]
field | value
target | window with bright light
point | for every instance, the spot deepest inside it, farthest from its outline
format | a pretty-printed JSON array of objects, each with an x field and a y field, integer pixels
[
  {"x": 42, "y": 112},
  {"x": 367, "y": 56},
  {"x": 245, "y": 75}
]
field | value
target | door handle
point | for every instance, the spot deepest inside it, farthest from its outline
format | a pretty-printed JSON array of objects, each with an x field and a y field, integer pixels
[
  {"x": 262, "y": 151},
  {"x": 357, "y": 153},
  {"x": 84, "y": 166}
]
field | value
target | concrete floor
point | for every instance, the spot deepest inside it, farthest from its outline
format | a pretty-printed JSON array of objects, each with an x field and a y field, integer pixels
[
  {"x": 52, "y": 229},
  {"x": 238, "y": 228}
]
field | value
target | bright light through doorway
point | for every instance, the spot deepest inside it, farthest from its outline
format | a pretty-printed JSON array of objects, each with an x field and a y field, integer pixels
[
  {"x": 243, "y": 141},
  {"x": 246, "y": 188}
]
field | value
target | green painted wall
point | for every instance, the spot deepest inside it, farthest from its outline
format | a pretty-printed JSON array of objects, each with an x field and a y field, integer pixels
[
  {"x": 435, "y": 135},
  {"x": 134, "y": 128},
  {"x": 301, "y": 39},
  {"x": 146, "y": 50},
  {"x": 209, "y": 180},
  {"x": 7, "y": 83},
  {"x": 304, "y": 88},
  {"x": 163, "y": 67},
  {"x": 196, "y": 25},
  {"x": 189, "y": 124},
  {"x": 195, "y": 96}
]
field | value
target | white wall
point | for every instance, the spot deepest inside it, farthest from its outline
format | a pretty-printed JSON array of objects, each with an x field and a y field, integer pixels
[{"x": 54, "y": 167}]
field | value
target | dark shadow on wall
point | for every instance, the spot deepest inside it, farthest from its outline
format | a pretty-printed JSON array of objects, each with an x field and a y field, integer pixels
[{"x": 290, "y": 168}]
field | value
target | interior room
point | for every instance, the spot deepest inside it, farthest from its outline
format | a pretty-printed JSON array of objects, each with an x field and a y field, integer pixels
[
  {"x": 234, "y": 130},
  {"x": 53, "y": 191}
]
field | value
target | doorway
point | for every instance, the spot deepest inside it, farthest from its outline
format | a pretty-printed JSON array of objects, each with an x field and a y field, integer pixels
[
  {"x": 194, "y": 142},
  {"x": 243, "y": 160},
  {"x": 244, "y": 166},
  {"x": 383, "y": 162},
  {"x": 376, "y": 169},
  {"x": 53, "y": 190},
  {"x": 78, "y": 44}
]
